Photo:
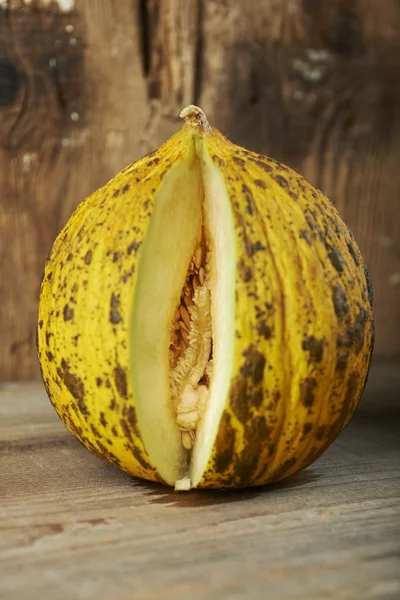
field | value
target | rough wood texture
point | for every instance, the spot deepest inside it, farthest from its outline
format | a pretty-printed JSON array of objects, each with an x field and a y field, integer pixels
[
  {"x": 88, "y": 86},
  {"x": 74, "y": 527}
]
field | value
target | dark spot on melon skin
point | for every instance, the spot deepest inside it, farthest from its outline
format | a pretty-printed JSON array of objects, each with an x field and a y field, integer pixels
[
  {"x": 162, "y": 174},
  {"x": 141, "y": 460},
  {"x": 41, "y": 324},
  {"x": 116, "y": 256},
  {"x": 349, "y": 401},
  {"x": 264, "y": 166},
  {"x": 218, "y": 160},
  {"x": 368, "y": 356},
  {"x": 351, "y": 390},
  {"x": 120, "y": 382},
  {"x": 253, "y": 248},
  {"x": 356, "y": 333},
  {"x": 246, "y": 273},
  {"x": 337, "y": 226},
  {"x": 127, "y": 275},
  {"x": 264, "y": 330},
  {"x": 113, "y": 404},
  {"x": 340, "y": 301},
  {"x": 369, "y": 286},
  {"x": 260, "y": 183},
  {"x": 307, "y": 427},
  {"x": 76, "y": 430},
  {"x": 74, "y": 385},
  {"x": 105, "y": 453},
  {"x": 50, "y": 356},
  {"x": 132, "y": 420},
  {"x": 68, "y": 313},
  {"x": 114, "y": 431},
  {"x": 239, "y": 400},
  {"x": 259, "y": 312},
  {"x": 353, "y": 253},
  {"x": 249, "y": 199},
  {"x": 239, "y": 161},
  {"x": 305, "y": 235},
  {"x": 125, "y": 188},
  {"x": 95, "y": 431},
  {"x": 153, "y": 162},
  {"x": 93, "y": 449},
  {"x": 70, "y": 257},
  {"x": 282, "y": 470},
  {"x": 257, "y": 434},
  {"x": 282, "y": 167},
  {"x": 336, "y": 259},
  {"x": 344, "y": 340},
  {"x": 87, "y": 259},
  {"x": 293, "y": 195},
  {"x": 307, "y": 389},
  {"x": 341, "y": 362},
  {"x": 312, "y": 225},
  {"x": 314, "y": 347},
  {"x": 103, "y": 419},
  {"x": 256, "y": 398},
  {"x": 225, "y": 445},
  {"x": 282, "y": 181},
  {"x": 126, "y": 430},
  {"x": 254, "y": 365},
  {"x": 99, "y": 381},
  {"x": 320, "y": 433},
  {"x": 133, "y": 247},
  {"x": 116, "y": 193},
  {"x": 115, "y": 317},
  {"x": 328, "y": 231}
]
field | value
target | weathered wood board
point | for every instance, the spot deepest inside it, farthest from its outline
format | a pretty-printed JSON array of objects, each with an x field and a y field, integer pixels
[{"x": 72, "y": 526}]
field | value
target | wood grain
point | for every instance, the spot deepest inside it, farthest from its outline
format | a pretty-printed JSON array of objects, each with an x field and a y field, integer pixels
[
  {"x": 84, "y": 91},
  {"x": 73, "y": 124},
  {"x": 72, "y": 526}
]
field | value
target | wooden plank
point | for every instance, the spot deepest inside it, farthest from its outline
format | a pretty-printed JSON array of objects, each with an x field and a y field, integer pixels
[
  {"x": 72, "y": 526},
  {"x": 88, "y": 86}
]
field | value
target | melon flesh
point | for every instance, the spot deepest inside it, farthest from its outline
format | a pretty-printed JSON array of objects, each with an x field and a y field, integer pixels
[{"x": 191, "y": 205}]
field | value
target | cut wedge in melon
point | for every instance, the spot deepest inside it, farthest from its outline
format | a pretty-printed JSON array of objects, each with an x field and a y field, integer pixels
[{"x": 183, "y": 320}]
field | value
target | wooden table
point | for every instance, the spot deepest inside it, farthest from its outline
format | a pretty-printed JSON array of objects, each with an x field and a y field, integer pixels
[{"x": 73, "y": 527}]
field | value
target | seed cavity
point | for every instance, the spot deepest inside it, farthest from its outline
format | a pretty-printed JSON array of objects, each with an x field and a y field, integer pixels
[{"x": 190, "y": 350}]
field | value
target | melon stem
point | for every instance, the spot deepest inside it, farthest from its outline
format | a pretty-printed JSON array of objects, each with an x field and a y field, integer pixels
[{"x": 195, "y": 118}]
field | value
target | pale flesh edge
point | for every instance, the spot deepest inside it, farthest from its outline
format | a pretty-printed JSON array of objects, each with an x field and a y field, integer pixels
[{"x": 191, "y": 205}]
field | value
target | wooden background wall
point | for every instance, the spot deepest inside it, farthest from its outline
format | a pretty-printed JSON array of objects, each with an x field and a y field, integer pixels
[{"x": 86, "y": 86}]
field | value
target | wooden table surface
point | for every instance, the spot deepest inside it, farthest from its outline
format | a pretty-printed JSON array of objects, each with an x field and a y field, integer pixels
[{"x": 73, "y": 527}]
